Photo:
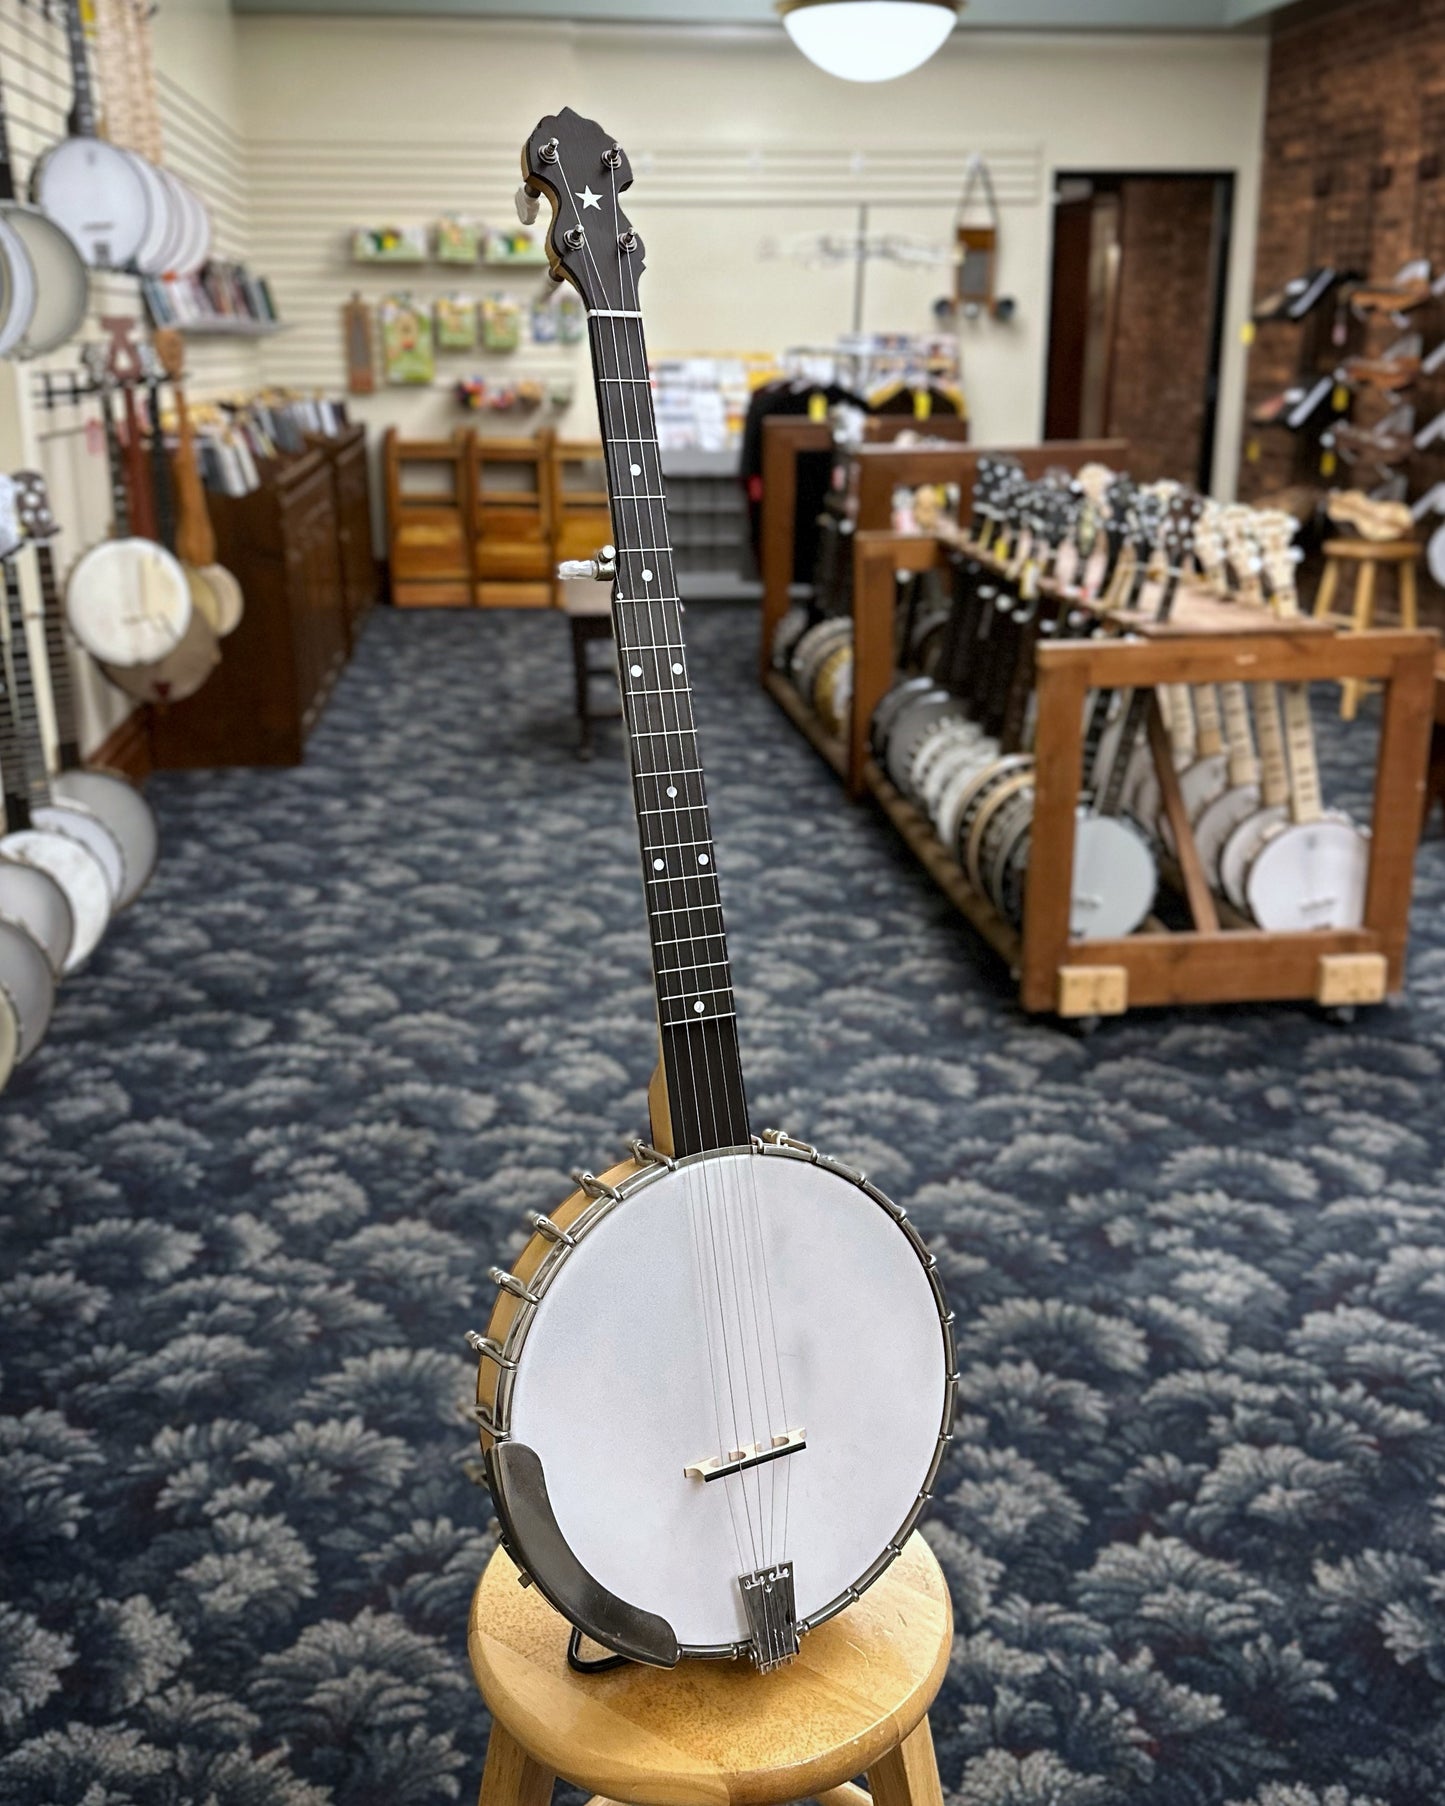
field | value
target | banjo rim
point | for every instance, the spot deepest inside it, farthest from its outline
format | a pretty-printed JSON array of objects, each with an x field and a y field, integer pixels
[{"x": 596, "y": 1198}]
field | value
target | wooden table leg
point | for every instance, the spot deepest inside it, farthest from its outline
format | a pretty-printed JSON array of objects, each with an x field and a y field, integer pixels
[
  {"x": 1363, "y": 614},
  {"x": 511, "y": 1777},
  {"x": 908, "y": 1775}
]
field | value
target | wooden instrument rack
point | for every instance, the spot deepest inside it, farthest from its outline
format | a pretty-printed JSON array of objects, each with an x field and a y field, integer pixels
[{"x": 1222, "y": 958}]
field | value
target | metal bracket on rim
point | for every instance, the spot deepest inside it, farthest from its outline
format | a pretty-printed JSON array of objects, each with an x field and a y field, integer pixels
[
  {"x": 510, "y": 1283},
  {"x": 549, "y": 1230},
  {"x": 595, "y": 1187},
  {"x": 486, "y": 1349},
  {"x": 644, "y": 1150},
  {"x": 779, "y": 1138}
]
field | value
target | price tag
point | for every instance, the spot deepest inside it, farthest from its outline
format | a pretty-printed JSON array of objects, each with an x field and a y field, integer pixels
[
  {"x": 1340, "y": 400},
  {"x": 1251, "y": 451},
  {"x": 1328, "y": 463},
  {"x": 817, "y": 407},
  {"x": 922, "y": 404},
  {"x": 1246, "y": 334}
]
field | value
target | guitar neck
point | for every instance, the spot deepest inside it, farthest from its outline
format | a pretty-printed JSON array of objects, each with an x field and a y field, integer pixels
[
  {"x": 82, "y": 111},
  {"x": 115, "y": 468},
  {"x": 57, "y": 657},
  {"x": 1239, "y": 736},
  {"x": 696, "y": 1011},
  {"x": 1273, "y": 762},
  {"x": 1210, "y": 729},
  {"x": 30, "y": 775}
]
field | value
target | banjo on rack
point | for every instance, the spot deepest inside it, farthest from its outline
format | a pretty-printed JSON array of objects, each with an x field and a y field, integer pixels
[
  {"x": 113, "y": 798},
  {"x": 690, "y": 1452},
  {"x": 61, "y": 284},
  {"x": 127, "y": 599}
]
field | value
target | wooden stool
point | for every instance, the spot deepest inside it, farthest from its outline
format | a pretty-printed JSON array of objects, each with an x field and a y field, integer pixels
[
  {"x": 1366, "y": 556},
  {"x": 588, "y": 607},
  {"x": 718, "y": 1733},
  {"x": 1435, "y": 776}
]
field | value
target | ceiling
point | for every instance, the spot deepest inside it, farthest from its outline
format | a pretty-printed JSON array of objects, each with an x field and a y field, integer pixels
[{"x": 986, "y": 15}]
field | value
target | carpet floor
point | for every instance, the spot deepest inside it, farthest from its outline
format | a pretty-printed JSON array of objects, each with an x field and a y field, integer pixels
[{"x": 372, "y": 1010}]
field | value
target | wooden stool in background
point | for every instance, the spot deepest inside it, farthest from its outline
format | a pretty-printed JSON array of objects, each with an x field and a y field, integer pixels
[
  {"x": 588, "y": 607},
  {"x": 1366, "y": 555},
  {"x": 1435, "y": 776},
  {"x": 718, "y": 1733}
]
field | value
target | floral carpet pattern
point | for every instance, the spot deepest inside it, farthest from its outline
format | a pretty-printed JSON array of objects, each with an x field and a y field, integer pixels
[{"x": 374, "y": 1009}]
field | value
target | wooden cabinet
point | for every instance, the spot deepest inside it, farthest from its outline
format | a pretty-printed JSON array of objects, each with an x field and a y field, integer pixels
[
  {"x": 284, "y": 544},
  {"x": 351, "y": 495}
]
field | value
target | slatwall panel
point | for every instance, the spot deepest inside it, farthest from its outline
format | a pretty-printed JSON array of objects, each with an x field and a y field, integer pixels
[
  {"x": 309, "y": 195},
  {"x": 64, "y": 441}
]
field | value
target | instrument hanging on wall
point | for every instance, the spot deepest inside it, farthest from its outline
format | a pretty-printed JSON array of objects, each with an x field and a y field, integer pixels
[
  {"x": 93, "y": 189},
  {"x": 106, "y": 793},
  {"x": 195, "y": 541},
  {"x": 127, "y": 600},
  {"x": 687, "y": 1454},
  {"x": 61, "y": 839},
  {"x": 61, "y": 283}
]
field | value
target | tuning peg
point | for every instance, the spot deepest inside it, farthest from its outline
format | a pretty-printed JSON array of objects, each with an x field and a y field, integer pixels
[
  {"x": 601, "y": 568},
  {"x": 527, "y": 205}
]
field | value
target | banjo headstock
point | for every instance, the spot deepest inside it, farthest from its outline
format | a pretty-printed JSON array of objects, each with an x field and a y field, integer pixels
[
  {"x": 32, "y": 505},
  {"x": 590, "y": 241},
  {"x": 122, "y": 353},
  {"x": 170, "y": 350}
]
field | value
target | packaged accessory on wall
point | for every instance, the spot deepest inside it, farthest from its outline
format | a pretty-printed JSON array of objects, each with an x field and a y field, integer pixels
[
  {"x": 501, "y": 323},
  {"x": 389, "y": 244},
  {"x": 457, "y": 240},
  {"x": 455, "y": 317},
  {"x": 407, "y": 351}
]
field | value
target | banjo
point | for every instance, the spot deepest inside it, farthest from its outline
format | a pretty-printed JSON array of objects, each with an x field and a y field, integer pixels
[
  {"x": 61, "y": 283},
  {"x": 127, "y": 599},
  {"x": 92, "y": 189},
  {"x": 117, "y": 802},
  {"x": 690, "y": 1450}
]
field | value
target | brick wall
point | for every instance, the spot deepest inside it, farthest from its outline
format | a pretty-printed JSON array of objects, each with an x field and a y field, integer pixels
[
  {"x": 1354, "y": 173},
  {"x": 1161, "y": 343}
]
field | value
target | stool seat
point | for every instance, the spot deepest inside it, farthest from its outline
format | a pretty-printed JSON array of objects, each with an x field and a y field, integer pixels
[
  {"x": 710, "y": 1733},
  {"x": 1381, "y": 551}
]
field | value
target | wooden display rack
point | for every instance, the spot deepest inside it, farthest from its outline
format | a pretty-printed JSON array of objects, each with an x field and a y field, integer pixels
[{"x": 1222, "y": 958}]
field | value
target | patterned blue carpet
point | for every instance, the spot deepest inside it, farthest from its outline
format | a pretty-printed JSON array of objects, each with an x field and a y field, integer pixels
[{"x": 372, "y": 1010}]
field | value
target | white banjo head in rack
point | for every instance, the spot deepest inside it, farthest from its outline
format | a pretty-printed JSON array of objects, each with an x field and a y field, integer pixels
[
  {"x": 27, "y": 986},
  {"x": 78, "y": 873},
  {"x": 95, "y": 191},
  {"x": 34, "y": 901},
  {"x": 128, "y": 602},
  {"x": 715, "y": 1390},
  {"x": 17, "y": 288}
]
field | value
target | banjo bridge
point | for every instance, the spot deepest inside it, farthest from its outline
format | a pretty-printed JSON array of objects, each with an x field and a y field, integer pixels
[
  {"x": 772, "y": 1614},
  {"x": 751, "y": 1454}
]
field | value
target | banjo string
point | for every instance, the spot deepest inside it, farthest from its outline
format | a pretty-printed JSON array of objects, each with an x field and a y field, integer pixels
[{"x": 676, "y": 729}]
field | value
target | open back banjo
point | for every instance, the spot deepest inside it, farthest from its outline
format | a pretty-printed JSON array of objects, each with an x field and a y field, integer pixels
[{"x": 718, "y": 1381}]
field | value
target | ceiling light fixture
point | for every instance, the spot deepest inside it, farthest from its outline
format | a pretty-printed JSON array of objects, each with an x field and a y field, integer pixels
[{"x": 868, "y": 40}]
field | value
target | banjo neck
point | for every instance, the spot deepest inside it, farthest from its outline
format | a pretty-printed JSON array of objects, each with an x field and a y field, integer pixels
[
  {"x": 592, "y": 243},
  {"x": 81, "y": 120},
  {"x": 1306, "y": 801},
  {"x": 32, "y": 496},
  {"x": 1242, "y": 561},
  {"x": 31, "y": 775}
]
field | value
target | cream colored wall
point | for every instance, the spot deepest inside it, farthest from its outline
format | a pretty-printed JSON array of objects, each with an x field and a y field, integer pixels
[{"x": 735, "y": 139}]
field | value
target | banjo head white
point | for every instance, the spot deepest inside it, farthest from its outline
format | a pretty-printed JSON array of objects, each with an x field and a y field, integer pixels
[
  {"x": 180, "y": 673},
  {"x": 1218, "y": 820},
  {"x": 9, "y": 1039},
  {"x": 17, "y": 304},
  {"x": 126, "y": 813},
  {"x": 1241, "y": 847},
  {"x": 1310, "y": 875},
  {"x": 1200, "y": 782},
  {"x": 34, "y": 901},
  {"x": 78, "y": 873},
  {"x": 230, "y": 598},
  {"x": 28, "y": 986},
  {"x": 95, "y": 192},
  {"x": 1114, "y": 878},
  {"x": 861, "y": 1362},
  {"x": 84, "y": 825},
  {"x": 128, "y": 602},
  {"x": 62, "y": 284},
  {"x": 152, "y": 254}
]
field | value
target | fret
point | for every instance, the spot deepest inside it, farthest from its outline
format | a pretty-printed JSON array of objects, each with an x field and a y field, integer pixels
[
  {"x": 697, "y": 965},
  {"x": 692, "y": 1021},
  {"x": 683, "y": 909},
  {"x": 688, "y": 940}
]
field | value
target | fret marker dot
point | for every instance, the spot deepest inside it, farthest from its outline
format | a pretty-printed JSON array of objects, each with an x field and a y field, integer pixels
[
  {"x": 636, "y": 670},
  {"x": 699, "y": 1006},
  {"x": 647, "y": 576},
  {"x": 677, "y": 670},
  {"x": 636, "y": 469},
  {"x": 702, "y": 858},
  {"x": 672, "y": 790},
  {"x": 657, "y": 865}
]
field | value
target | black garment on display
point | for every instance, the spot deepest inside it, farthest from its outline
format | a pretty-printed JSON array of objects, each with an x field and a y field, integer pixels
[{"x": 814, "y": 468}]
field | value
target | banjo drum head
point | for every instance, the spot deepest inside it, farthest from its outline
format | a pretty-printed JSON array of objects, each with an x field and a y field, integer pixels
[
  {"x": 1310, "y": 875},
  {"x": 78, "y": 873},
  {"x": 230, "y": 598},
  {"x": 1217, "y": 822},
  {"x": 28, "y": 985},
  {"x": 128, "y": 816},
  {"x": 1240, "y": 848},
  {"x": 34, "y": 901},
  {"x": 180, "y": 674},
  {"x": 128, "y": 602},
  {"x": 9, "y": 1039},
  {"x": 1114, "y": 879},
  {"x": 62, "y": 285},
  {"x": 84, "y": 825},
  {"x": 95, "y": 192},
  {"x": 152, "y": 256},
  {"x": 836, "y": 1262},
  {"x": 1435, "y": 554},
  {"x": 17, "y": 302}
]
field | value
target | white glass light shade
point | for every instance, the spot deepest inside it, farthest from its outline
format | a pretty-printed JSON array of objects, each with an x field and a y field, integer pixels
[{"x": 869, "y": 40}]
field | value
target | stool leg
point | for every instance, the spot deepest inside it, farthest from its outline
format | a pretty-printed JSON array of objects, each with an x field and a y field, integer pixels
[
  {"x": 1409, "y": 596},
  {"x": 908, "y": 1775},
  {"x": 579, "y": 675},
  {"x": 511, "y": 1777},
  {"x": 1329, "y": 583},
  {"x": 1363, "y": 620}
]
